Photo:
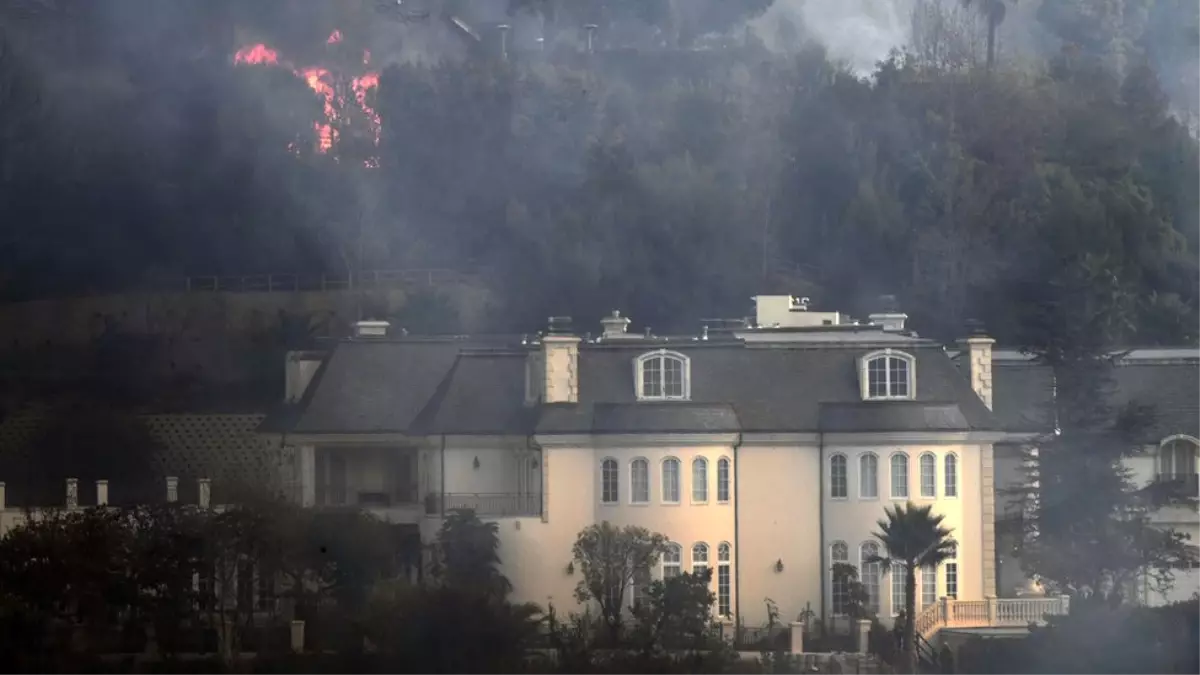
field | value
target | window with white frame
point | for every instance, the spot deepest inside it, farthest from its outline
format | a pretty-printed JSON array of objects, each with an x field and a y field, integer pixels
[
  {"x": 639, "y": 481},
  {"x": 723, "y": 466},
  {"x": 838, "y": 477},
  {"x": 897, "y": 573},
  {"x": 699, "y": 558},
  {"x": 1177, "y": 459},
  {"x": 724, "y": 580},
  {"x": 641, "y": 586},
  {"x": 868, "y": 476},
  {"x": 609, "y": 478},
  {"x": 928, "y": 475},
  {"x": 950, "y": 476},
  {"x": 928, "y": 585},
  {"x": 670, "y": 480},
  {"x": 839, "y": 554},
  {"x": 662, "y": 375},
  {"x": 899, "y": 476},
  {"x": 952, "y": 574},
  {"x": 887, "y": 374},
  {"x": 699, "y": 480},
  {"x": 870, "y": 574},
  {"x": 672, "y": 561}
]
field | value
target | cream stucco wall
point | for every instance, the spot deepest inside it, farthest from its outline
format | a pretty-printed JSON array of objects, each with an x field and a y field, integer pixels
[
  {"x": 778, "y": 513},
  {"x": 853, "y": 519}
]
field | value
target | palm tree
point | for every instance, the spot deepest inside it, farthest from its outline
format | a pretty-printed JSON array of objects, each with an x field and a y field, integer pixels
[
  {"x": 993, "y": 11},
  {"x": 913, "y": 538}
]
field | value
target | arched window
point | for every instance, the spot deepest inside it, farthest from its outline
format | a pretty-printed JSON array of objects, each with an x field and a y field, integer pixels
[
  {"x": 723, "y": 466},
  {"x": 839, "y": 554},
  {"x": 699, "y": 480},
  {"x": 928, "y": 475},
  {"x": 699, "y": 558},
  {"x": 899, "y": 476},
  {"x": 952, "y": 574},
  {"x": 928, "y": 585},
  {"x": 1177, "y": 459},
  {"x": 609, "y": 476},
  {"x": 870, "y": 574},
  {"x": 950, "y": 476},
  {"x": 724, "y": 580},
  {"x": 887, "y": 374},
  {"x": 639, "y": 481},
  {"x": 868, "y": 476},
  {"x": 662, "y": 375},
  {"x": 838, "y": 477},
  {"x": 670, "y": 480},
  {"x": 672, "y": 561}
]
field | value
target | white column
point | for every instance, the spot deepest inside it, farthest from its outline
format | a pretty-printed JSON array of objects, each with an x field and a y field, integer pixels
[
  {"x": 172, "y": 489},
  {"x": 72, "y": 493},
  {"x": 101, "y": 492},
  {"x": 306, "y": 457},
  {"x": 205, "y": 492}
]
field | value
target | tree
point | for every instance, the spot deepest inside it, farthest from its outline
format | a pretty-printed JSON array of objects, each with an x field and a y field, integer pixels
[
  {"x": 609, "y": 559},
  {"x": 469, "y": 558},
  {"x": 993, "y": 12},
  {"x": 912, "y": 538},
  {"x": 677, "y": 613}
]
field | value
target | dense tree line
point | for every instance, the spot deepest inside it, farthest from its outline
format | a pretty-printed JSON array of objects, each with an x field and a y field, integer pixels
[{"x": 672, "y": 183}]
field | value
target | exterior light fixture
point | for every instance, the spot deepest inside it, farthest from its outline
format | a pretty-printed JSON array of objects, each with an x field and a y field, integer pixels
[
  {"x": 571, "y": 568},
  {"x": 476, "y": 462},
  {"x": 779, "y": 565}
]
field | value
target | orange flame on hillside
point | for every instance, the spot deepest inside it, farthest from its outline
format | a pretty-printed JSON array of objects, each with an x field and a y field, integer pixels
[{"x": 324, "y": 83}]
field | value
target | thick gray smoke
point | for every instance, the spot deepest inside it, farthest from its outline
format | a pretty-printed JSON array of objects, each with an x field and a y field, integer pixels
[{"x": 859, "y": 33}]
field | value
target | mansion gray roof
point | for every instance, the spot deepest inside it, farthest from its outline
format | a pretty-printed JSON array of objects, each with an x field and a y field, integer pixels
[{"x": 471, "y": 387}]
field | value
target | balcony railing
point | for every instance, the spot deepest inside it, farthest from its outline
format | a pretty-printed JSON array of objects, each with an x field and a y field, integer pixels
[
  {"x": 948, "y": 613},
  {"x": 494, "y": 505},
  {"x": 1187, "y": 483}
]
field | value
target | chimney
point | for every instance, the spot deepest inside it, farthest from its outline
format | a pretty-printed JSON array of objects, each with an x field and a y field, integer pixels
[
  {"x": 503, "y": 28},
  {"x": 101, "y": 492},
  {"x": 591, "y": 35},
  {"x": 560, "y": 358},
  {"x": 889, "y": 315},
  {"x": 172, "y": 489},
  {"x": 978, "y": 350},
  {"x": 3, "y": 496},
  {"x": 614, "y": 325},
  {"x": 72, "y": 493},
  {"x": 371, "y": 329}
]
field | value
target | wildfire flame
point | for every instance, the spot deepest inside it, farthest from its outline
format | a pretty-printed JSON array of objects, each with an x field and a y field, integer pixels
[{"x": 324, "y": 83}]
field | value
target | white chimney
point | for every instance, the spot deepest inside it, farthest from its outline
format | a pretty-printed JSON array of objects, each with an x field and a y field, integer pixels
[
  {"x": 3, "y": 496},
  {"x": 371, "y": 329},
  {"x": 787, "y": 311},
  {"x": 205, "y": 492},
  {"x": 892, "y": 322},
  {"x": 72, "y": 493},
  {"x": 172, "y": 489},
  {"x": 101, "y": 492},
  {"x": 978, "y": 350},
  {"x": 614, "y": 325},
  {"x": 560, "y": 356}
]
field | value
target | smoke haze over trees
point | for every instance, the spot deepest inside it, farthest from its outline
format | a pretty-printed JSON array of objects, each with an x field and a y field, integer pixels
[{"x": 708, "y": 150}]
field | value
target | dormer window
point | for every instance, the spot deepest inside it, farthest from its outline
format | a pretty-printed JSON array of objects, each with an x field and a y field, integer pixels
[
  {"x": 662, "y": 375},
  {"x": 887, "y": 375}
]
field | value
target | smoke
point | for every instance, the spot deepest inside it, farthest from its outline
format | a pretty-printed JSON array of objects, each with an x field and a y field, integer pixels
[{"x": 859, "y": 33}]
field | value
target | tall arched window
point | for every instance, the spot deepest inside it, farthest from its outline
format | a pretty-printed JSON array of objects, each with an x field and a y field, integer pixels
[
  {"x": 699, "y": 558},
  {"x": 609, "y": 476},
  {"x": 887, "y": 374},
  {"x": 868, "y": 476},
  {"x": 1177, "y": 459},
  {"x": 699, "y": 480},
  {"x": 950, "y": 476},
  {"x": 639, "y": 481},
  {"x": 870, "y": 574},
  {"x": 670, "y": 480},
  {"x": 838, "y": 477},
  {"x": 724, "y": 580},
  {"x": 928, "y": 475},
  {"x": 839, "y": 554},
  {"x": 928, "y": 585},
  {"x": 723, "y": 466},
  {"x": 899, "y": 476},
  {"x": 672, "y": 561},
  {"x": 897, "y": 574},
  {"x": 662, "y": 375}
]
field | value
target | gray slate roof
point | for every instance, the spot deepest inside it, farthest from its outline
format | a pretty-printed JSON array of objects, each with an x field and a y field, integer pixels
[{"x": 459, "y": 387}]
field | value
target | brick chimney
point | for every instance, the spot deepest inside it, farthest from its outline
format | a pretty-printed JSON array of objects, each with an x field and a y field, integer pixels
[
  {"x": 560, "y": 356},
  {"x": 978, "y": 350}
]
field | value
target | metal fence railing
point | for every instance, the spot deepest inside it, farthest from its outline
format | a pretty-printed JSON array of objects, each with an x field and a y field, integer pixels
[
  {"x": 370, "y": 279},
  {"x": 504, "y": 505}
]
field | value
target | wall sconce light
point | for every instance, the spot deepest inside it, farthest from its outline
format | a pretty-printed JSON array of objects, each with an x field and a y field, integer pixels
[
  {"x": 534, "y": 464},
  {"x": 571, "y": 568},
  {"x": 779, "y": 565},
  {"x": 476, "y": 462}
]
